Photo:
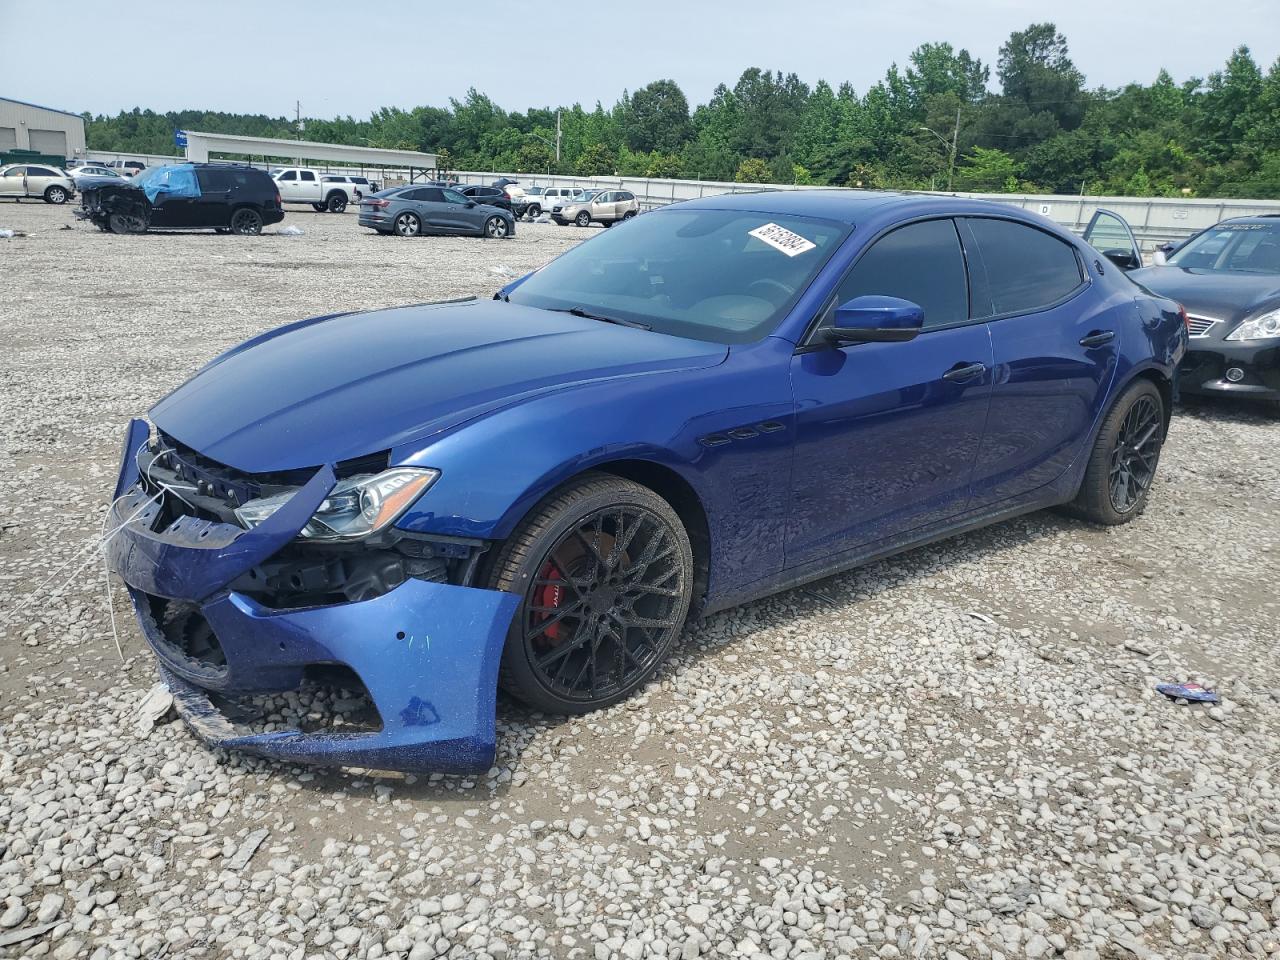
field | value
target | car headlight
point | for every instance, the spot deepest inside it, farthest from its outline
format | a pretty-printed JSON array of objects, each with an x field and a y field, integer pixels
[
  {"x": 355, "y": 507},
  {"x": 1259, "y": 328}
]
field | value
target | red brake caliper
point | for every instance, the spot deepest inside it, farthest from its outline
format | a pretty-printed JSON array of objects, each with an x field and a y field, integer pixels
[{"x": 547, "y": 596}]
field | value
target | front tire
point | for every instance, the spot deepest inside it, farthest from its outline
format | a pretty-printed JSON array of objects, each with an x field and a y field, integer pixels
[
  {"x": 1117, "y": 481},
  {"x": 55, "y": 194},
  {"x": 319, "y": 207},
  {"x": 124, "y": 223},
  {"x": 496, "y": 228},
  {"x": 583, "y": 219},
  {"x": 605, "y": 572}
]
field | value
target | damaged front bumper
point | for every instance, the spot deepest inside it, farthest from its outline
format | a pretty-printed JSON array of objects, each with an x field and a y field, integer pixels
[{"x": 426, "y": 652}]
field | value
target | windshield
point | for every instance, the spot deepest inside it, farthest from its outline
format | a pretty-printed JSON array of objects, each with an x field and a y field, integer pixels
[
  {"x": 1233, "y": 248},
  {"x": 727, "y": 276},
  {"x": 535, "y": 191}
]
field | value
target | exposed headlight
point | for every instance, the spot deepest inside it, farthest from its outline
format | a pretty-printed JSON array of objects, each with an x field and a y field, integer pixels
[
  {"x": 1259, "y": 328},
  {"x": 355, "y": 507}
]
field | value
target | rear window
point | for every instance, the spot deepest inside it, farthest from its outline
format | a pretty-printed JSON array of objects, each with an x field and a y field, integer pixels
[{"x": 1025, "y": 269}]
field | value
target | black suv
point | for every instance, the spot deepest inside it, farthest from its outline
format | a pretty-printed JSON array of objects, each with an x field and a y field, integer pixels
[
  {"x": 224, "y": 197},
  {"x": 493, "y": 196}
]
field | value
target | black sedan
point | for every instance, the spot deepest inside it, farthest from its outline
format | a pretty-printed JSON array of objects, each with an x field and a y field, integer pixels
[{"x": 1228, "y": 279}]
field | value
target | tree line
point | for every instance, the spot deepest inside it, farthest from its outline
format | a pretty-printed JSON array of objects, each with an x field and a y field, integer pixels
[{"x": 936, "y": 123}]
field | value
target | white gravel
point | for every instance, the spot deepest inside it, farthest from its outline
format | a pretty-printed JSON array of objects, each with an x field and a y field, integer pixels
[{"x": 955, "y": 753}]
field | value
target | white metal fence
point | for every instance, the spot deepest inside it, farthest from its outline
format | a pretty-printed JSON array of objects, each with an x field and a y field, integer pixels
[{"x": 1154, "y": 219}]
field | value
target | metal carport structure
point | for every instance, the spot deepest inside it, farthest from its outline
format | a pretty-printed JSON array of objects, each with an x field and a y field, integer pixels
[{"x": 200, "y": 146}]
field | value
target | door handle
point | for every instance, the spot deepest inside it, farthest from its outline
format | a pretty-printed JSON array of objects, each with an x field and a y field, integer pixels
[
  {"x": 965, "y": 371},
  {"x": 1098, "y": 338}
]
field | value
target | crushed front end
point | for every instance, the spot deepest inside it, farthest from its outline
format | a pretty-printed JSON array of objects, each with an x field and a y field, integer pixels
[
  {"x": 234, "y": 608},
  {"x": 117, "y": 207}
]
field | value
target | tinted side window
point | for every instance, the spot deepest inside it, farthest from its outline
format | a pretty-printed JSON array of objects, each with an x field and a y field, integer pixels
[
  {"x": 1026, "y": 269},
  {"x": 921, "y": 262},
  {"x": 289, "y": 175},
  {"x": 213, "y": 181},
  {"x": 306, "y": 175}
]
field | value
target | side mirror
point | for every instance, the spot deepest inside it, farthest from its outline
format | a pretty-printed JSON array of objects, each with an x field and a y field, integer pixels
[
  {"x": 1123, "y": 259},
  {"x": 1160, "y": 258},
  {"x": 875, "y": 320},
  {"x": 470, "y": 204}
]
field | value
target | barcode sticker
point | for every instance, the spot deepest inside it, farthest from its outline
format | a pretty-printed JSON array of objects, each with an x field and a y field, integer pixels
[{"x": 780, "y": 238}]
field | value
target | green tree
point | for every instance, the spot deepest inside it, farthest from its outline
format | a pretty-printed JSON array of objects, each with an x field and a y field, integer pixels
[
  {"x": 752, "y": 170},
  {"x": 596, "y": 160},
  {"x": 656, "y": 117}
]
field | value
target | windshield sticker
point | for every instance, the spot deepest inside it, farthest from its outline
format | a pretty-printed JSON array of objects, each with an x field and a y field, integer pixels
[{"x": 780, "y": 238}]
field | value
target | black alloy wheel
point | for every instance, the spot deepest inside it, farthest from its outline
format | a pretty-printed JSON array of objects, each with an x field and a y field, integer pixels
[
  {"x": 246, "y": 222},
  {"x": 1122, "y": 465},
  {"x": 337, "y": 202},
  {"x": 1135, "y": 454},
  {"x": 605, "y": 571}
]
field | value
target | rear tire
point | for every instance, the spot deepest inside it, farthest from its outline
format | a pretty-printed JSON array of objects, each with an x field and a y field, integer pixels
[
  {"x": 336, "y": 202},
  {"x": 55, "y": 194},
  {"x": 605, "y": 572},
  {"x": 628, "y": 215},
  {"x": 1117, "y": 481},
  {"x": 246, "y": 222},
  {"x": 534, "y": 211},
  {"x": 408, "y": 225}
]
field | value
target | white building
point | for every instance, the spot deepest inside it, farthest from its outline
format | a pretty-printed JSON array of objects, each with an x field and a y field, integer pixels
[{"x": 24, "y": 126}]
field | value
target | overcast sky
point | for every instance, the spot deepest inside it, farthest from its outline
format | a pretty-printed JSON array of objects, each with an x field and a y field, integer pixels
[{"x": 349, "y": 58}]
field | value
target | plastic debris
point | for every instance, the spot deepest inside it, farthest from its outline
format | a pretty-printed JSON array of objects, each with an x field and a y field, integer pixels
[
  {"x": 545, "y": 218},
  {"x": 248, "y": 847},
  {"x": 504, "y": 271},
  {"x": 6, "y": 234},
  {"x": 155, "y": 706},
  {"x": 980, "y": 616},
  {"x": 1189, "y": 690},
  {"x": 291, "y": 230}
]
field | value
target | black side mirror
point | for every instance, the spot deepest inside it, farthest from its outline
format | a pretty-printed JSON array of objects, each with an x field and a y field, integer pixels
[
  {"x": 470, "y": 204},
  {"x": 875, "y": 320},
  {"x": 1123, "y": 259}
]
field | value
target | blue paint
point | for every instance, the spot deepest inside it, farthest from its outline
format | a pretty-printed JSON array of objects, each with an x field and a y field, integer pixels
[{"x": 805, "y": 458}]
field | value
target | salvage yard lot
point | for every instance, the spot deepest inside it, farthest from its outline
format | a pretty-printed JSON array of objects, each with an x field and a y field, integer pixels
[{"x": 953, "y": 753}]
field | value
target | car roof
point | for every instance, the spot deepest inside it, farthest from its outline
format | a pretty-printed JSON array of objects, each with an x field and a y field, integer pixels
[
  {"x": 1271, "y": 219},
  {"x": 852, "y": 206}
]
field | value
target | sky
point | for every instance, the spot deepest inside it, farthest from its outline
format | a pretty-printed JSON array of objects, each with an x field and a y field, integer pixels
[{"x": 341, "y": 58}]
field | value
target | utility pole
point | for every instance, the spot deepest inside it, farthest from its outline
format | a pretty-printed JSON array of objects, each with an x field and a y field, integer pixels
[
  {"x": 955, "y": 140},
  {"x": 557, "y": 138}
]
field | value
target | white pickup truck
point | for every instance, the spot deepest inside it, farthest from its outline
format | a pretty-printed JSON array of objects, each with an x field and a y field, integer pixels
[{"x": 303, "y": 185}]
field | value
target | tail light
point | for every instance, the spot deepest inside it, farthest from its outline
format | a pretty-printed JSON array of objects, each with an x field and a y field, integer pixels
[
  {"x": 380, "y": 204},
  {"x": 279, "y": 202},
  {"x": 505, "y": 195}
]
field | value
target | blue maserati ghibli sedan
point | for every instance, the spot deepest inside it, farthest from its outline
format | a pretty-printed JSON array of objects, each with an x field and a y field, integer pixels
[{"x": 709, "y": 403}]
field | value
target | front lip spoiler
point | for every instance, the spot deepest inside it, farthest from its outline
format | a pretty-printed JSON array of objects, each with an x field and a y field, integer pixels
[{"x": 428, "y": 653}]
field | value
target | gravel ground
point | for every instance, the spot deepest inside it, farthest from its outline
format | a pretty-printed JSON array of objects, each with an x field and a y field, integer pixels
[{"x": 955, "y": 753}]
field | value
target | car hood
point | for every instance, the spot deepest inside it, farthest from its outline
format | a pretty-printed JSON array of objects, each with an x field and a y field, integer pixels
[
  {"x": 1209, "y": 293},
  {"x": 334, "y": 388}
]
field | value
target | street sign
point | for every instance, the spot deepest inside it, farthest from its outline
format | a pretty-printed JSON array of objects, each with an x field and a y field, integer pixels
[{"x": 180, "y": 138}]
